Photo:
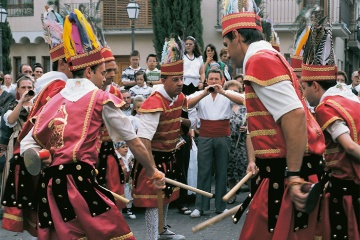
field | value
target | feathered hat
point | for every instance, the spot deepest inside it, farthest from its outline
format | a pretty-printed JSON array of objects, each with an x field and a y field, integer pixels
[
  {"x": 95, "y": 23},
  {"x": 319, "y": 58},
  {"x": 301, "y": 36},
  {"x": 82, "y": 48},
  {"x": 171, "y": 58},
  {"x": 247, "y": 18},
  {"x": 53, "y": 33}
]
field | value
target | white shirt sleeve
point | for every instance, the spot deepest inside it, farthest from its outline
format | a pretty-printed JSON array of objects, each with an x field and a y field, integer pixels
[
  {"x": 28, "y": 142},
  {"x": 337, "y": 128},
  {"x": 197, "y": 93},
  {"x": 6, "y": 117},
  {"x": 279, "y": 98},
  {"x": 148, "y": 124},
  {"x": 117, "y": 123}
]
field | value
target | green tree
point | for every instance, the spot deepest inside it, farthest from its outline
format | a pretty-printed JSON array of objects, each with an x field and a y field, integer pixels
[
  {"x": 179, "y": 17},
  {"x": 6, "y": 43}
]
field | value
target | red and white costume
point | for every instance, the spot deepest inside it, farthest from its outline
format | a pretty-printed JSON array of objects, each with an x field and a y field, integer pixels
[
  {"x": 71, "y": 204},
  {"x": 271, "y": 93},
  {"x": 338, "y": 113},
  {"x": 166, "y": 123}
]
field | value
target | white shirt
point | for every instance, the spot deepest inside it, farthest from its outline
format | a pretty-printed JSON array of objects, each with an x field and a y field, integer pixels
[
  {"x": 192, "y": 70},
  {"x": 9, "y": 89},
  {"x": 218, "y": 109}
]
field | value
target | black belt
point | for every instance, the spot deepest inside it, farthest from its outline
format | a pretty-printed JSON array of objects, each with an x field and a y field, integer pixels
[
  {"x": 84, "y": 178},
  {"x": 163, "y": 160}
]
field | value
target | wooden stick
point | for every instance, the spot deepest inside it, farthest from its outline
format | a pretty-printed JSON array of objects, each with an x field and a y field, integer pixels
[
  {"x": 187, "y": 187},
  {"x": 215, "y": 219},
  {"x": 117, "y": 196},
  {"x": 160, "y": 210},
  {"x": 120, "y": 198},
  {"x": 237, "y": 187}
]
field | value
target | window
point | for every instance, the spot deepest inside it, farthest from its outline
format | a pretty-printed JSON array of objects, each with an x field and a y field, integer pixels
[
  {"x": 46, "y": 63},
  {"x": 115, "y": 15},
  {"x": 17, "y": 8},
  {"x": 16, "y": 66},
  {"x": 31, "y": 61}
]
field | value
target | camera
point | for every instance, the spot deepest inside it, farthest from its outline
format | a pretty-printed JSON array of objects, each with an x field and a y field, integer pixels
[
  {"x": 31, "y": 93},
  {"x": 211, "y": 89}
]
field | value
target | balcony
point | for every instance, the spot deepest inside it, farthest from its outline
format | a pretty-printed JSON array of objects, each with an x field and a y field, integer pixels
[
  {"x": 115, "y": 17},
  {"x": 283, "y": 13},
  {"x": 20, "y": 9}
]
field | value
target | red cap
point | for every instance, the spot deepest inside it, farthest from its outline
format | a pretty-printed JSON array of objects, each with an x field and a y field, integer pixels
[
  {"x": 85, "y": 60},
  {"x": 173, "y": 69},
  {"x": 57, "y": 52},
  {"x": 318, "y": 72},
  {"x": 296, "y": 62},
  {"x": 107, "y": 54},
  {"x": 240, "y": 20}
]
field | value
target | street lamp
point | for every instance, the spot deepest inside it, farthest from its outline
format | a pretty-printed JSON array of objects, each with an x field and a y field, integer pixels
[
  {"x": 133, "y": 10},
  {"x": 358, "y": 28},
  {"x": 3, "y": 15}
]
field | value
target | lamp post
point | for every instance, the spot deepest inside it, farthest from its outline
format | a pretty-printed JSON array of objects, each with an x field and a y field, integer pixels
[
  {"x": 133, "y": 10},
  {"x": 3, "y": 15},
  {"x": 358, "y": 29}
]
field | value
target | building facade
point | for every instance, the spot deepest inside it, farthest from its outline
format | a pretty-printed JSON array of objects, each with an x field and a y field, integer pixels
[{"x": 29, "y": 46}]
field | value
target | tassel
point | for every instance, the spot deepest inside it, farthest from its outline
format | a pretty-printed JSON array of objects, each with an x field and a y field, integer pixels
[
  {"x": 68, "y": 43},
  {"x": 87, "y": 28},
  {"x": 302, "y": 41},
  {"x": 76, "y": 39}
]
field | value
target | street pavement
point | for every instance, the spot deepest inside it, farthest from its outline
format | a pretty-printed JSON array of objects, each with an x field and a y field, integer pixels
[{"x": 181, "y": 224}]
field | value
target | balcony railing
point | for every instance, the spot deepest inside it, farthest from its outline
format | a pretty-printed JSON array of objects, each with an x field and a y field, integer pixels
[
  {"x": 115, "y": 15},
  {"x": 284, "y": 12},
  {"x": 21, "y": 9}
]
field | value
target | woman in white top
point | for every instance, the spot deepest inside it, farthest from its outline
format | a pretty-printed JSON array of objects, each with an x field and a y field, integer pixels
[{"x": 194, "y": 74}]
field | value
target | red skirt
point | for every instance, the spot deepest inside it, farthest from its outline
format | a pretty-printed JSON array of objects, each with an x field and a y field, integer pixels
[{"x": 108, "y": 225}]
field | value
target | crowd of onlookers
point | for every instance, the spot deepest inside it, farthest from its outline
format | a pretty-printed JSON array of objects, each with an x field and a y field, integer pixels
[{"x": 137, "y": 85}]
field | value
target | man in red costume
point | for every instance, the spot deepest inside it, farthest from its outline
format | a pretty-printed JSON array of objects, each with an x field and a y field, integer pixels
[
  {"x": 159, "y": 129},
  {"x": 337, "y": 112},
  {"x": 71, "y": 204},
  {"x": 110, "y": 173},
  {"x": 46, "y": 87},
  {"x": 287, "y": 141}
]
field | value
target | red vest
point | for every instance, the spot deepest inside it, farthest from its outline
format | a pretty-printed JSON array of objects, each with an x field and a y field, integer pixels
[
  {"x": 334, "y": 108},
  {"x": 266, "y": 68},
  {"x": 71, "y": 130},
  {"x": 168, "y": 130},
  {"x": 42, "y": 98}
]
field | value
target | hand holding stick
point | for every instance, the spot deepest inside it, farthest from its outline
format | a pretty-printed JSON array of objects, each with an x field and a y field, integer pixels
[{"x": 237, "y": 187}]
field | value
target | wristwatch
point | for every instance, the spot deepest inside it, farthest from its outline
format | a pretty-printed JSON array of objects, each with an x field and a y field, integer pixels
[{"x": 292, "y": 173}]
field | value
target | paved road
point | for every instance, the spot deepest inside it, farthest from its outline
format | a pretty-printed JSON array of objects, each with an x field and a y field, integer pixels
[{"x": 182, "y": 224}]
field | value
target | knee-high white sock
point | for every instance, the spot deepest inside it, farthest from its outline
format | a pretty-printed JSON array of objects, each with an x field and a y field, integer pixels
[
  {"x": 166, "y": 208},
  {"x": 151, "y": 218}
]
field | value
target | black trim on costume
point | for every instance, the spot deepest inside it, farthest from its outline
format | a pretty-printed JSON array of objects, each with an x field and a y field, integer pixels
[{"x": 84, "y": 178}]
